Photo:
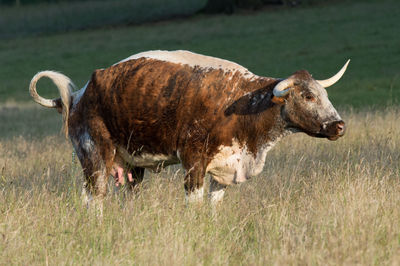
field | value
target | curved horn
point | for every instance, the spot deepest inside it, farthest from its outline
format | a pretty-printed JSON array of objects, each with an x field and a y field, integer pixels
[
  {"x": 283, "y": 87},
  {"x": 329, "y": 82}
]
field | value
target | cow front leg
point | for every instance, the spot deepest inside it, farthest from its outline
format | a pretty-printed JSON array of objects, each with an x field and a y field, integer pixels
[
  {"x": 194, "y": 184},
  {"x": 216, "y": 193}
]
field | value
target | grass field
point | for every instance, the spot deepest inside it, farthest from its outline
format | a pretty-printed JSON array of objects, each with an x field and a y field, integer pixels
[
  {"x": 316, "y": 202},
  {"x": 42, "y": 19}
]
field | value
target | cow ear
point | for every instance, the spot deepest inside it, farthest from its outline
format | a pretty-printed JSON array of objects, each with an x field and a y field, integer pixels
[{"x": 278, "y": 100}]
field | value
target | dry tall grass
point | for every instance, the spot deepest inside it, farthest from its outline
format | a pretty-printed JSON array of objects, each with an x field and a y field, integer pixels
[{"x": 317, "y": 202}]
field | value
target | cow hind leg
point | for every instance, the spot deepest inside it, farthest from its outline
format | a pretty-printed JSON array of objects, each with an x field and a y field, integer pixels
[
  {"x": 135, "y": 178},
  {"x": 96, "y": 156}
]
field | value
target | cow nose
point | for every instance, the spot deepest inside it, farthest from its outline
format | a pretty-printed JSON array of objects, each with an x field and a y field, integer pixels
[{"x": 340, "y": 128}]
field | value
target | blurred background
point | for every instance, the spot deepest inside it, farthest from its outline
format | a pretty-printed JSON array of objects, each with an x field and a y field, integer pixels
[{"x": 270, "y": 37}]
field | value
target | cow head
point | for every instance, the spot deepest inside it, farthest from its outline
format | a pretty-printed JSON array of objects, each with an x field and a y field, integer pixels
[{"x": 307, "y": 107}]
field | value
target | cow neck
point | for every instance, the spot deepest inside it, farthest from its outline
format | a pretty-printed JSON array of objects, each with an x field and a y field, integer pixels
[{"x": 260, "y": 120}]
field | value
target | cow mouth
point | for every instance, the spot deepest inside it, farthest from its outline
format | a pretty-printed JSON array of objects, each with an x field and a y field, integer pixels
[
  {"x": 322, "y": 135},
  {"x": 326, "y": 135},
  {"x": 332, "y": 131}
]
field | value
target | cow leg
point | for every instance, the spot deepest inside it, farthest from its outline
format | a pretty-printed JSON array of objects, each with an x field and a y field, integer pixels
[
  {"x": 94, "y": 190},
  {"x": 216, "y": 192},
  {"x": 194, "y": 184},
  {"x": 96, "y": 154},
  {"x": 135, "y": 177}
]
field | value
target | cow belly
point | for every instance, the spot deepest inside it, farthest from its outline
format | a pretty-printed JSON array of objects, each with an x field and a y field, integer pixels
[{"x": 147, "y": 160}]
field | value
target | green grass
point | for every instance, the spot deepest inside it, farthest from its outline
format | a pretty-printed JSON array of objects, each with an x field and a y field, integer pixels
[
  {"x": 272, "y": 42},
  {"x": 42, "y": 19},
  {"x": 316, "y": 203}
]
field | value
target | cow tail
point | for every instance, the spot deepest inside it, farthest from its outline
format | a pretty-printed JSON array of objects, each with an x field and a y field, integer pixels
[{"x": 65, "y": 87}]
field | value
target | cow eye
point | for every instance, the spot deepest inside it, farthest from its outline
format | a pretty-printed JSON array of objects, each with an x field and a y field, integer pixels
[{"x": 310, "y": 98}]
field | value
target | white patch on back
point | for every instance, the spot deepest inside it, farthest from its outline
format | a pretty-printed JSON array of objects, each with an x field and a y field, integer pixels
[
  {"x": 193, "y": 59},
  {"x": 235, "y": 164}
]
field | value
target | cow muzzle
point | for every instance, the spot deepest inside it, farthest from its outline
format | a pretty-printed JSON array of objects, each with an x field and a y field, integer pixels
[{"x": 333, "y": 130}]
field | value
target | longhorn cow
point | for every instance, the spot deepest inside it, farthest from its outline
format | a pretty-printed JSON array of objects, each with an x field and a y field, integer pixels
[{"x": 213, "y": 116}]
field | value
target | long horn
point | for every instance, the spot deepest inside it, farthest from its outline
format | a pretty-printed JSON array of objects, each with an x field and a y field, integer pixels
[
  {"x": 283, "y": 87},
  {"x": 329, "y": 82}
]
